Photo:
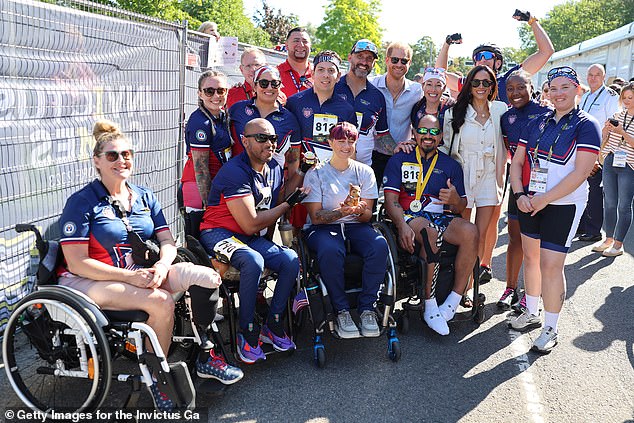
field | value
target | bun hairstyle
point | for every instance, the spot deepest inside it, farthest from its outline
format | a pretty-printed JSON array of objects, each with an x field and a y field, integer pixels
[{"x": 105, "y": 131}]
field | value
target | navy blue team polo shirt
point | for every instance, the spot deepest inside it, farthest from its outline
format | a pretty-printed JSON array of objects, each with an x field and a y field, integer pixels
[
  {"x": 284, "y": 122},
  {"x": 401, "y": 175},
  {"x": 238, "y": 179},
  {"x": 370, "y": 102},
  {"x": 514, "y": 120},
  {"x": 304, "y": 105},
  {"x": 89, "y": 218},
  {"x": 418, "y": 111}
]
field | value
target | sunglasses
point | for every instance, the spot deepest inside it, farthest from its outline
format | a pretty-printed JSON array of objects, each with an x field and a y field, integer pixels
[
  {"x": 262, "y": 138},
  {"x": 475, "y": 83},
  {"x": 484, "y": 55},
  {"x": 365, "y": 46},
  {"x": 113, "y": 155},
  {"x": 424, "y": 131},
  {"x": 438, "y": 71},
  {"x": 561, "y": 70},
  {"x": 395, "y": 60},
  {"x": 264, "y": 83},
  {"x": 211, "y": 91}
]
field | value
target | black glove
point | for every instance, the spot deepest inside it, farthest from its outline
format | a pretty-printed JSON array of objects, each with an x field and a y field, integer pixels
[
  {"x": 308, "y": 160},
  {"x": 522, "y": 16},
  {"x": 295, "y": 197},
  {"x": 454, "y": 38}
]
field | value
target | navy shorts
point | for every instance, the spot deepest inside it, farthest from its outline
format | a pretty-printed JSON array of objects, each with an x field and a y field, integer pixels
[
  {"x": 555, "y": 225},
  {"x": 512, "y": 210}
]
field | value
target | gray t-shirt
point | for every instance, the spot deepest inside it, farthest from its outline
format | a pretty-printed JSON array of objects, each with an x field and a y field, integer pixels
[{"x": 330, "y": 187}]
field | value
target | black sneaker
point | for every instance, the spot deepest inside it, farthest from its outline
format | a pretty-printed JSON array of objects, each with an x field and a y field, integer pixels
[
  {"x": 485, "y": 274},
  {"x": 509, "y": 296}
]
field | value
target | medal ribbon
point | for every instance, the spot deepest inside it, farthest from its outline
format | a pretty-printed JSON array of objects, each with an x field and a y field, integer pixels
[{"x": 420, "y": 187}]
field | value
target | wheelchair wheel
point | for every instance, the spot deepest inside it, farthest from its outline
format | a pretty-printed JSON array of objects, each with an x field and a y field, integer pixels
[
  {"x": 320, "y": 356},
  {"x": 67, "y": 366},
  {"x": 394, "y": 350},
  {"x": 402, "y": 323}
]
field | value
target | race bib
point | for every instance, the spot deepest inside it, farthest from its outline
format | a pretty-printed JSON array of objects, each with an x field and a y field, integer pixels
[
  {"x": 226, "y": 154},
  {"x": 224, "y": 249},
  {"x": 539, "y": 179},
  {"x": 409, "y": 175},
  {"x": 620, "y": 158},
  {"x": 322, "y": 124},
  {"x": 359, "y": 119}
]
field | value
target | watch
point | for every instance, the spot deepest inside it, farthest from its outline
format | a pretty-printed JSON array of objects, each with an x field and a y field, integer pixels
[{"x": 517, "y": 195}]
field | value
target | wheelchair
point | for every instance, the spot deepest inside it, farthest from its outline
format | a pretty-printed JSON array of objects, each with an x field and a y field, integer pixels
[
  {"x": 230, "y": 287},
  {"x": 59, "y": 346},
  {"x": 320, "y": 311},
  {"x": 411, "y": 273}
]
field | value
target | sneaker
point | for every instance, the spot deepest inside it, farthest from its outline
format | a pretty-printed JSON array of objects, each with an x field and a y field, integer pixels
[
  {"x": 485, "y": 274},
  {"x": 346, "y": 328},
  {"x": 279, "y": 343},
  {"x": 520, "y": 306},
  {"x": 217, "y": 368},
  {"x": 525, "y": 322},
  {"x": 546, "y": 341},
  {"x": 369, "y": 327},
  {"x": 509, "y": 296},
  {"x": 247, "y": 353},
  {"x": 161, "y": 400}
]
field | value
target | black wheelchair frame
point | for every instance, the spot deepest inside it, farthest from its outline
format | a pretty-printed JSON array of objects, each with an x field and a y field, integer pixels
[{"x": 74, "y": 343}]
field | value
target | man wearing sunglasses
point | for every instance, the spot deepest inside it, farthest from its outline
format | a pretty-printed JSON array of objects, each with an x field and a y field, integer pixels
[
  {"x": 251, "y": 60},
  {"x": 426, "y": 186},
  {"x": 491, "y": 55},
  {"x": 243, "y": 204},
  {"x": 401, "y": 94},
  {"x": 296, "y": 70},
  {"x": 367, "y": 100}
]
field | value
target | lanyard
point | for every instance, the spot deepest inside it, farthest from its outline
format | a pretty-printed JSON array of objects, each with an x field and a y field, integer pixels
[
  {"x": 626, "y": 127},
  {"x": 246, "y": 92},
  {"x": 553, "y": 145},
  {"x": 420, "y": 187},
  {"x": 300, "y": 83},
  {"x": 593, "y": 101}
]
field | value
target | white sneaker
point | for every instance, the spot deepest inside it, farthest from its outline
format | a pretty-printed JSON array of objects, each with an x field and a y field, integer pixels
[
  {"x": 435, "y": 320},
  {"x": 369, "y": 327},
  {"x": 346, "y": 328},
  {"x": 546, "y": 341},
  {"x": 524, "y": 322}
]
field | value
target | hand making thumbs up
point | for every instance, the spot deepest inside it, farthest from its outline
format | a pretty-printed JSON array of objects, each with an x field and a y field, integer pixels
[{"x": 448, "y": 195}]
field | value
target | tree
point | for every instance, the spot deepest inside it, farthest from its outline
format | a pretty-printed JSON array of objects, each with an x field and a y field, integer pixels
[
  {"x": 347, "y": 21},
  {"x": 575, "y": 21},
  {"x": 275, "y": 23},
  {"x": 168, "y": 10},
  {"x": 424, "y": 55},
  {"x": 513, "y": 55},
  {"x": 230, "y": 17}
]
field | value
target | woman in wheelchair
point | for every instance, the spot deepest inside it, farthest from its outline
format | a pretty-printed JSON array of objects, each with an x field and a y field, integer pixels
[
  {"x": 339, "y": 204},
  {"x": 423, "y": 190},
  {"x": 98, "y": 224}
]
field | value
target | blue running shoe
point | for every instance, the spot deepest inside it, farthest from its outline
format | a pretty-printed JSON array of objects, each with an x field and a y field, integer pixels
[
  {"x": 279, "y": 343},
  {"x": 161, "y": 400},
  {"x": 247, "y": 353},
  {"x": 217, "y": 368}
]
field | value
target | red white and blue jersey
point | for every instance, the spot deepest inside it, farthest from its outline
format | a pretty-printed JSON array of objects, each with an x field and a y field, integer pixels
[
  {"x": 418, "y": 111},
  {"x": 199, "y": 137},
  {"x": 89, "y": 218},
  {"x": 284, "y": 122},
  {"x": 402, "y": 172},
  {"x": 501, "y": 78},
  {"x": 237, "y": 179},
  {"x": 576, "y": 131},
  {"x": 514, "y": 120},
  {"x": 304, "y": 105}
]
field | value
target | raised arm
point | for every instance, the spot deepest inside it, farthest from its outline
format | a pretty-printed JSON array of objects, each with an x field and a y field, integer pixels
[{"x": 533, "y": 63}]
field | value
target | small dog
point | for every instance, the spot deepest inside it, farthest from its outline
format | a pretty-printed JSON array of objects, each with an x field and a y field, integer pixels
[{"x": 353, "y": 197}]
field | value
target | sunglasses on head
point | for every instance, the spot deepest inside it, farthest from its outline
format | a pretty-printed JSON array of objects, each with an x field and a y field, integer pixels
[
  {"x": 562, "y": 70},
  {"x": 484, "y": 55},
  {"x": 211, "y": 91},
  {"x": 264, "y": 83},
  {"x": 403, "y": 60},
  {"x": 365, "y": 46},
  {"x": 438, "y": 71},
  {"x": 475, "y": 83},
  {"x": 262, "y": 138},
  {"x": 424, "y": 131},
  {"x": 113, "y": 155}
]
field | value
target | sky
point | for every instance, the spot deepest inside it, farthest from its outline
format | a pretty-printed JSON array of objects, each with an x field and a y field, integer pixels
[{"x": 401, "y": 20}]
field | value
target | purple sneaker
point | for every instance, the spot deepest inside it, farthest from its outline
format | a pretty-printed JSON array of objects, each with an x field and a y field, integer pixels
[
  {"x": 247, "y": 353},
  {"x": 279, "y": 344}
]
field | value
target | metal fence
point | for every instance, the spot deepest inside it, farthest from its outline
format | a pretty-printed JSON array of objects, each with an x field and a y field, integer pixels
[{"x": 63, "y": 68}]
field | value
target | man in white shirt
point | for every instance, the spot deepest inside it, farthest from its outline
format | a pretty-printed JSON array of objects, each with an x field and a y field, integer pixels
[{"x": 602, "y": 103}]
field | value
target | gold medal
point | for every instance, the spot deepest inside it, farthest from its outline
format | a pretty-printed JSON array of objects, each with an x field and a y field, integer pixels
[{"x": 415, "y": 206}]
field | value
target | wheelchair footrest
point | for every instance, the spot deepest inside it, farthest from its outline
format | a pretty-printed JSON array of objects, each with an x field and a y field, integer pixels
[{"x": 183, "y": 384}]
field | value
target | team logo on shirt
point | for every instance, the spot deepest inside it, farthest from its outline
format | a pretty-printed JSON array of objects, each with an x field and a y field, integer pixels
[
  {"x": 277, "y": 118},
  {"x": 365, "y": 102},
  {"x": 69, "y": 228},
  {"x": 248, "y": 111},
  {"x": 109, "y": 213},
  {"x": 201, "y": 135},
  {"x": 307, "y": 112},
  {"x": 512, "y": 119}
]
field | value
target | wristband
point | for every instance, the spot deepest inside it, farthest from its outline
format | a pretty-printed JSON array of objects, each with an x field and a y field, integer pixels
[
  {"x": 532, "y": 20},
  {"x": 517, "y": 195}
]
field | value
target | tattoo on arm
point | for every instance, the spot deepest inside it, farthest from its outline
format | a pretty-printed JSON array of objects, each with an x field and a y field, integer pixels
[
  {"x": 386, "y": 144},
  {"x": 397, "y": 205},
  {"x": 292, "y": 156},
  {"x": 203, "y": 177},
  {"x": 327, "y": 216}
]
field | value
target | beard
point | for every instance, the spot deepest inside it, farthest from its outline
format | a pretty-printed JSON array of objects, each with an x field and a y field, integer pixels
[{"x": 360, "y": 72}]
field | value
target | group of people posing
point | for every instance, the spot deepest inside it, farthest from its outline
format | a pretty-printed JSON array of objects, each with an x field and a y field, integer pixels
[{"x": 438, "y": 160}]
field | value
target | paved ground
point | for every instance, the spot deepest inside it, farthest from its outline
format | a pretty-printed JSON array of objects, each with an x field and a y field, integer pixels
[{"x": 475, "y": 374}]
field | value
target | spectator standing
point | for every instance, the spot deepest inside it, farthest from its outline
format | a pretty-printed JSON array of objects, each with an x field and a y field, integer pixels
[{"x": 296, "y": 70}]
